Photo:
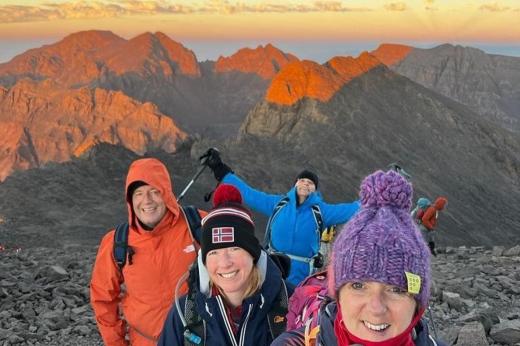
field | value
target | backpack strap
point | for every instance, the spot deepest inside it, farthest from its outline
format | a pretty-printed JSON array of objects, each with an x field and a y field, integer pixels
[
  {"x": 194, "y": 322},
  {"x": 311, "y": 334},
  {"x": 121, "y": 249},
  {"x": 276, "y": 316},
  {"x": 194, "y": 223},
  {"x": 195, "y": 327},
  {"x": 267, "y": 239},
  {"x": 316, "y": 212}
]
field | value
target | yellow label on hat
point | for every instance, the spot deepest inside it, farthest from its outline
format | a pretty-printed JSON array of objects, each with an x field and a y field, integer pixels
[{"x": 414, "y": 283}]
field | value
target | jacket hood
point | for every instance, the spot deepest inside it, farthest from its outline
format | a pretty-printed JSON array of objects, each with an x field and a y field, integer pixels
[
  {"x": 440, "y": 203},
  {"x": 154, "y": 173}
]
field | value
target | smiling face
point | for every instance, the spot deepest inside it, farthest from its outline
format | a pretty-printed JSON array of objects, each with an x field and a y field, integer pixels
[
  {"x": 304, "y": 187},
  {"x": 230, "y": 269},
  {"x": 374, "y": 311},
  {"x": 148, "y": 205}
]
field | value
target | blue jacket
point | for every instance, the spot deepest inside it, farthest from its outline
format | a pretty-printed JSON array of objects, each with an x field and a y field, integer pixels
[
  {"x": 254, "y": 326},
  {"x": 326, "y": 336},
  {"x": 293, "y": 230}
]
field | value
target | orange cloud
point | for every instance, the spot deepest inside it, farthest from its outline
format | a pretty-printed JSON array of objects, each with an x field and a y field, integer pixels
[
  {"x": 396, "y": 6},
  {"x": 100, "y": 9},
  {"x": 495, "y": 7}
]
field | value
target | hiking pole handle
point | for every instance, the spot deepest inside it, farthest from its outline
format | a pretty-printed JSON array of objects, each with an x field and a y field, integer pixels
[
  {"x": 433, "y": 323},
  {"x": 199, "y": 172}
]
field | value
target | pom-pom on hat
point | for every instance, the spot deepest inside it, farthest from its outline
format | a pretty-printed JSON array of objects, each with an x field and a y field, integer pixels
[
  {"x": 229, "y": 224},
  {"x": 308, "y": 175},
  {"x": 381, "y": 242}
]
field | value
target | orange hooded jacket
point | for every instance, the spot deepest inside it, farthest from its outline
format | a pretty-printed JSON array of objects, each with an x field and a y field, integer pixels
[
  {"x": 161, "y": 257},
  {"x": 429, "y": 219}
]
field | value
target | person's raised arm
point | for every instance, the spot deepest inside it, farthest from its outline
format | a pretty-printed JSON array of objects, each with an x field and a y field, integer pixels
[{"x": 255, "y": 199}]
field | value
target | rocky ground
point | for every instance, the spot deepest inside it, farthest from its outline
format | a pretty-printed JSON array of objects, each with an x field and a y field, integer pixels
[{"x": 44, "y": 296}]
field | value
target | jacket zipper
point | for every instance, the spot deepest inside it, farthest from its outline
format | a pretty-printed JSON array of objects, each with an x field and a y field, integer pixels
[
  {"x": 226, "y": 321},
  {"x": 244, "y": 326}
]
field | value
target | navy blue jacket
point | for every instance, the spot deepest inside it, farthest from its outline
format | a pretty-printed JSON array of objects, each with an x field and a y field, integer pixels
[
  {"x": 253, "y": 327},
  {"x": 294, "y": 230},
  {"x": 326, "y": 336}
]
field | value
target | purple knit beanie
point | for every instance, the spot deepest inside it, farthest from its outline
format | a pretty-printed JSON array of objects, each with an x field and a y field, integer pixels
[{"x": 381, "y": 242}]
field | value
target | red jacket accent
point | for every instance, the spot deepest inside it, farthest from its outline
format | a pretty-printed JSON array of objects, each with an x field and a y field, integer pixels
[{"x": 429, "y": 219}]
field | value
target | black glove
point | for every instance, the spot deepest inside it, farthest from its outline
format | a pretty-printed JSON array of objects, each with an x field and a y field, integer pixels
[
  {"x": 212, "y": 159},
  {"x": 318, "y": 261}
]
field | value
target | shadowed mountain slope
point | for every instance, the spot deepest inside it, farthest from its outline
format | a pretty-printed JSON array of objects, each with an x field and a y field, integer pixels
[
  {"x": 488, "y": 84},
  {"x": 76, "y": 202},
  {"x": 382, "y": 117}
]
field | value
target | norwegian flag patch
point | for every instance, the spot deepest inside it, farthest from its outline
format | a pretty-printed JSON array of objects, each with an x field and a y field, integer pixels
[{"x": 223, "y": 235}]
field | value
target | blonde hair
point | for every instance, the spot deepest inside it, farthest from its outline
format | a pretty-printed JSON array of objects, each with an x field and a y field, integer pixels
[{"x": 254, "y": 283}]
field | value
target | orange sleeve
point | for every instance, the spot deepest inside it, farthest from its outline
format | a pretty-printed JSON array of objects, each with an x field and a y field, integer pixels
[
  {"x": 428, "y": 219},
  {"x": 104, "y": 294}
]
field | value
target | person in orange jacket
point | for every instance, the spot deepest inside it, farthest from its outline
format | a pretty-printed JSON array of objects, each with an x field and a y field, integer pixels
[
  {"x": 163, "y": 250},
  {"x": 429, "y": 222}
]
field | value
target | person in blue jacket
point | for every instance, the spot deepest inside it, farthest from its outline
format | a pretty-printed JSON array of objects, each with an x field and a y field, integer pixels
[
  {"x": 236, "y": 293},
  {"x": 292, "y": 228}
]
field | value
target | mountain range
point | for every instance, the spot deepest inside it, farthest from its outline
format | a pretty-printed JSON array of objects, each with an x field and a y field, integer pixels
[{"x": 448, "y": 114}]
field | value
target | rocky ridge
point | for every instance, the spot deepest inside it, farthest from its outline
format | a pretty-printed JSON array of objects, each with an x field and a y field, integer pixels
[
  {"x": 75, "y": 120},
  {"x": 45, "y": 297},
  {"x": 381, "y": 117},
  {"x": 152, "y": 67},
  {"x": 307, "y": 79},
  {"x": 264, "y": 61},
  {"x": 486, "y": 83}
]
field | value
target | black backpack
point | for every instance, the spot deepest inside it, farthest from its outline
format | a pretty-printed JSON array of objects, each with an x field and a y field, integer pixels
[{"x": 122, "y": 251}]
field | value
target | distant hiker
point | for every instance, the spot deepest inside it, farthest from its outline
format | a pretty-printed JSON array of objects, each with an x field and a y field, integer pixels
[
  {"x": 160, "y": 250},
  {"x": 429, "y": 222},
  {"x": 417, "y": 213},
  {"x": 236, "y": 293},
  {"x": 379, "y": 273},
  {"x": 296, "y": 218}
]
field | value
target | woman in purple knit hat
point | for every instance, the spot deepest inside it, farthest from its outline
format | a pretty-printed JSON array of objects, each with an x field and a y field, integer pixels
[{"x": 379, "y": 274}]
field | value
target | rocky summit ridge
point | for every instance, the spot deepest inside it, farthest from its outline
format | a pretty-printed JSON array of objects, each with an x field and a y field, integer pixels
[
  {"x": 266, "y": 61},
  {"x": 301, "y": 79}
]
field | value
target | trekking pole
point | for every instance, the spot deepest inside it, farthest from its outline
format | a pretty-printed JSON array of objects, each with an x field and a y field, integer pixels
[
  {"x": 433, "y": 323},
  {"x": 396, "y": 167},
  {"x": 195, "y": 177}
]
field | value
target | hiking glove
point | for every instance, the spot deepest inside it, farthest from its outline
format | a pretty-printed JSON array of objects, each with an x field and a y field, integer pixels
[{"x": 214, "y": 162}]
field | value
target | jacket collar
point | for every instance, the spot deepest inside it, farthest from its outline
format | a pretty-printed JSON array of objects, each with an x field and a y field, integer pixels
[{"x": 312, "y": 199}]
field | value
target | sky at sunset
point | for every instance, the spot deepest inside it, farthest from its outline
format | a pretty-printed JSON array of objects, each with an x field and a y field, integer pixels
[{"x": 316, "y": 30}]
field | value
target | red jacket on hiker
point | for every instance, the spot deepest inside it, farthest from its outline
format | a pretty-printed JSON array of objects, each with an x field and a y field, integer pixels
[
  {"x": 429, "y": 219},
  {"x": 161, "y": 257}
]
